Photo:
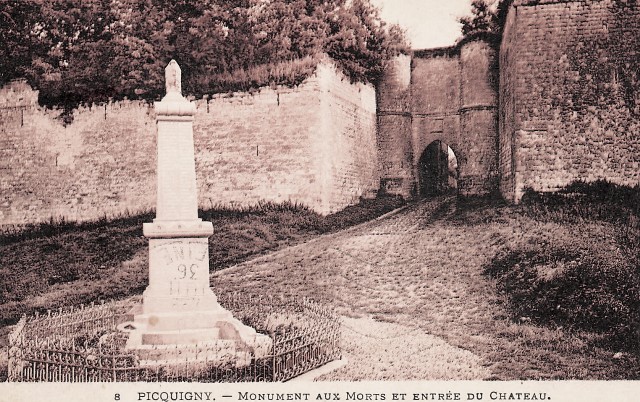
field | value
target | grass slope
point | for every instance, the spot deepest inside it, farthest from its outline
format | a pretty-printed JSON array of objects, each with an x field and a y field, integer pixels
[
  {"x": 53, "y": 265},
  {"x": 430, "y": 269}
]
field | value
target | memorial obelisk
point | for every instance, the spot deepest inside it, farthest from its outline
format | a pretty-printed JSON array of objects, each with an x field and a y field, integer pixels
[{"x": 179, "y": 310}]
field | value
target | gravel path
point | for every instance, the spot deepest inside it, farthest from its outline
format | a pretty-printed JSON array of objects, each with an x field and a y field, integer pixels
[
  {"x": 377, "y": 350},
  {"x": 382, "y": 270}
]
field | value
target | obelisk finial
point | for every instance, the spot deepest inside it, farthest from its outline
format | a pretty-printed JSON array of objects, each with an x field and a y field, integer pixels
[{"x": 173, "y": 78}]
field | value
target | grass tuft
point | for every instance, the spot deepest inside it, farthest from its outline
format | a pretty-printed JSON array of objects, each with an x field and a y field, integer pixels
[{"x": 288, "y": 73}]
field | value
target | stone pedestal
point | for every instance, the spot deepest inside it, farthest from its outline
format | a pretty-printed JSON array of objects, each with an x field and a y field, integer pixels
[{"x": 181, "y": 319}]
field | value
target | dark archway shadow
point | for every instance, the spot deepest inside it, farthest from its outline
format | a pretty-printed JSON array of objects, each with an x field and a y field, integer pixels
[{"x": 437, "y": 170}]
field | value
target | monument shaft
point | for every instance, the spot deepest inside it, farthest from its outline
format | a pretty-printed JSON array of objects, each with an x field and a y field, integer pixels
[
  {"x": 177, "y": 198},
  {"x": 178, "y": 245}
]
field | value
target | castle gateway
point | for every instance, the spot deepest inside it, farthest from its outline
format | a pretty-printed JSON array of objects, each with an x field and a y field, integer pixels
[{"x": 554, "y": 100}]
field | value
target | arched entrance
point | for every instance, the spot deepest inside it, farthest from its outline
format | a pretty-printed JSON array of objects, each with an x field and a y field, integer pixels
[{"x": 437, "y": 170}]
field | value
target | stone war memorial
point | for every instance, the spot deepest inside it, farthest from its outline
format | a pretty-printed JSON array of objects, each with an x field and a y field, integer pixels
[{"x": 179, "y": 309}]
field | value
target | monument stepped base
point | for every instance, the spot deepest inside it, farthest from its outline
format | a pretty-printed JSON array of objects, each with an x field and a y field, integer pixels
[
  {"x": 213, "y": 336},
  {"x": 178, "y": 337},
  {"x": 217, "y": 353}
]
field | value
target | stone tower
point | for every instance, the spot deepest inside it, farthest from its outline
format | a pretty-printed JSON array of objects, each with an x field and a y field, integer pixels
[
  {"x": 478, "y": 115},
  {"x": 395, "y": 152}
]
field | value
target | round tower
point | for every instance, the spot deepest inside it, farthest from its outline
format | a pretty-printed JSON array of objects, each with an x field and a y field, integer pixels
[
  {"x": 479, "y": 113},
  {"x": 394, "y": 128}
]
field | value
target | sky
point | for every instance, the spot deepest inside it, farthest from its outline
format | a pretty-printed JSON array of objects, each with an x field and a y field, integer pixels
[{"x": 429, "y": 23}]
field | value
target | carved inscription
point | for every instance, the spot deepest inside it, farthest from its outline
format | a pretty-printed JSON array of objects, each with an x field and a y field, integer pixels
[
  {"x": 182, "y": 302},
  {"x": 184, "y": 258}
]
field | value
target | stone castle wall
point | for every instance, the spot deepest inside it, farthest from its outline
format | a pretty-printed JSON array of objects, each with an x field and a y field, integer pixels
[
  {"x": 273, "y": 145},
  {"x": 567, "y": 107},
  {"x": 506, "y": 111},
  {"x": 561, "y": 104},
  {"x": 102, "y": 164},
  {"x": 570, "y": 99},
  {"x": 256, "y": 147},
  {"x": 478, "y": 116},
  {"x": 345, "y": 153}
]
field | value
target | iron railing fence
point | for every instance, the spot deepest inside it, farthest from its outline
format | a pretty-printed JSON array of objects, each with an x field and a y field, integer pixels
[{"x": 84, "y": 345}]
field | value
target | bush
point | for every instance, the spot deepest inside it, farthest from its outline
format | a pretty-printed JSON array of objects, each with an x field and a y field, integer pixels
[
  {"x": 570, "y": 288},
  {"x": 597, "y": 200},
  {"x": 580, "y": 284}
]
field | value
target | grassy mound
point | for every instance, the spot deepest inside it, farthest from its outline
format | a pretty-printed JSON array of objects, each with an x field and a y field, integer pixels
[
  {"x": 564, "y": 287},
  {"x": 591, "y": 285},
  {"x": 597, "y": 200}
]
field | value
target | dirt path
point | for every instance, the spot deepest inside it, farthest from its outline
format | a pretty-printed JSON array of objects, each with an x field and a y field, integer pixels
[{"x": 385, "y": 277}]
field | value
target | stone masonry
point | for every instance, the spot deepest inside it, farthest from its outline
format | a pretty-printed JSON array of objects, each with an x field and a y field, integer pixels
[
  {"x": 445, "y": 94},
  {"x": 180, "y": 321},
  {"x": 570, "y": 104},
  {"x": 312, "y": 145},
  {"x": 555, "y": 100}
]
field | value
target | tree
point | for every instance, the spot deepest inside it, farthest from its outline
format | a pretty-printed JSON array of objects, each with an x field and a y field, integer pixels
[
  {"x": 482, "y": 18},
  {"x": 20, "y": 39},
  {"x": 359, "y": 41},
  {"x": 288, "y": 30},
  {"x": 77, "y": 51},
  {"x": 75, "y": 38},
  {"x": 140, "y": 50}
]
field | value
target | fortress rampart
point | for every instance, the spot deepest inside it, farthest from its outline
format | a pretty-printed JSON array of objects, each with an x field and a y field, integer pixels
[
  {"x": 314, "y": 145},
  {"x": 569, "y": 94},
  {"x": 555, "y": 100}
]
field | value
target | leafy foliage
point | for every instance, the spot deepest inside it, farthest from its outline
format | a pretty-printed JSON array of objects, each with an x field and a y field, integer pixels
[
  {"x": 482, "y": 18},
  {"x": 18, "y": 29},
  {"x": 288, "y": 72},
  {"x": 608, "y": 67},
  {"x": 75, "y": 51}
]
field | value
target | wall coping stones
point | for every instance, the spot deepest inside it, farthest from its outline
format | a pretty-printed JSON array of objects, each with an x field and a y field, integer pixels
[
  {"x": 533, "y": 3},
  {"x": 453, "y": 51}
]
